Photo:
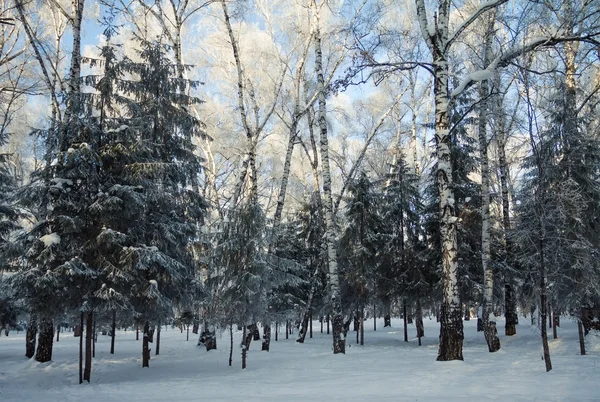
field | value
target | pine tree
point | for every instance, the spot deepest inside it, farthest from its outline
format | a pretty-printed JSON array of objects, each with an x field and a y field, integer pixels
[{"x": 359, "y": 244}]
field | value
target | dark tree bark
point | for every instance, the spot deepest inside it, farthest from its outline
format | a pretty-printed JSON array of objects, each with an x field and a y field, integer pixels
[
  {"x": 81, "y": 349},
  {"x": 45, "y": 339},
  {"x": 195, "y": 328},
  {"x": 510, "y": 328},
  {"x": 57, "y": 333},
  {"x": 94, "y": 339},
  {"x": 419, "y": 321},
  {"x": 145, "y": 346},
  {"x": 230, "y": 344},
  {"x": 374, "y": 318},
  {"x": 89, "y": 328},
  {"x": 287, "y": 332},
  {"x": 112, "y": 335},
  {"x": 245, "y": 343},
  {"x": 327, "y": 324},
  {"x": 544, "y": 308},
  {"x": 405, "y": 321},
  {"x": 310, "y": 320},
  {"x": 30, "y": 336},
  {"x": 255, "y": 332},
  {"x": 157, "y": 352},
  {"x": 362, "y": 326},
  {"x": 276, "y": 331},
  {"x": 581, "y": 338},
  {"x": 137, "y": 332},
  {"x": 266, "y": 337}
]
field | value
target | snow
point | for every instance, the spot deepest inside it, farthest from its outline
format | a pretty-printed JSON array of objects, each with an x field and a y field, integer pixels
[
  {"x": 50, "y": 239},
  {"x": 385, "y": 369}
]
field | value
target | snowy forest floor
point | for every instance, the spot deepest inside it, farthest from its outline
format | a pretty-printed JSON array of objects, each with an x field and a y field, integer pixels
[{"x": 385, "y": 368}]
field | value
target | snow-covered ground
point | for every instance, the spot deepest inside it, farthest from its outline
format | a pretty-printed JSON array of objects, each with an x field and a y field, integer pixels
[{"x": 385, "y": 369}]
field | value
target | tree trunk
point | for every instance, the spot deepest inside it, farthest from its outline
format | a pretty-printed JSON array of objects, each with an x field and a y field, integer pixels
[
  {"x": 374, "y": 318},
  {"x": 195, "y": 328},
  {"x": 145, "y": 346},
  {"x": 43, "y": 352},
  {"x": 327, "y": 324},
  {"x": 362, "y": 326},
  {"x": 489, "y": 326},
  {"x": 30, "y": 336},
  {"x": 245, "y": 344},
  {"x": 81, "y": 349},
  {"x": 276, "y": 331},
  {"x": 419, "y": 321},
  {"x": 510, "y": 328},
  {"x": 112, "y": 335},
  {"x": 544, "y": 306},
  {"x": 266, "y": 337},
  {"x": 451, "y": 325},
  {"x": 57, "y": 333},
  {"x": 137, "y": 332},
  {"x": 310, "y": 324},
  {"x": 230, "y": 344},
  {"x": 404, "y": 317},
  {"x": 339, "y": 342},
  {"x": 89, "y": 328},
  {"x": 554, "y": 324},
  {"x": 287, "y": 331},
  {"x": 581, "y": 338},
  {"x": 94, "y": 339},
  {"x": 157, "y": 352}
]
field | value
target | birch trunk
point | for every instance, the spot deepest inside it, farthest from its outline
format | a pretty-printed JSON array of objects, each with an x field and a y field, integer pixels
[
  {"x": 339, "y": 342},
  {"x": 451, "y": 325},
  {"x": 489, "y": 326},
  {"x": 510, "y": 328},
  {"x": 73, "y": 101}
]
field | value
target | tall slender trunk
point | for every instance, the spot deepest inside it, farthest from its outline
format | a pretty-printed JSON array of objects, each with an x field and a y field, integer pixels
[
  {"x": 157, "y": 352},
  {"x": 94, "y": 339},
  {"x": 489, "y": 326},
  {"x": 244, "y": 347},
  {"x": 374, "y": 318},
  {"x": 544, "y": 307},
  {"x": 286, "y": 174},
  {"x": 230, "y": 343},
  {"x": 81, "y": 348},
  {"x": 405, "y": 318},
  {"x": 419, "y": 321},
  {"x": 43, "y": 352},
  {"x": 30, "y": 336},
  {"x": 339, "y": 342},
  {"x": 306, "y": 316},
  {"x": 89, "y": 328},
  {"x": 145, "y": 346},
  {"x": 580, "y": 331},
  {"x": 362, "y": 325},
  {"x": 112, "y": 335},
  {"x": 510, "y": 309}
]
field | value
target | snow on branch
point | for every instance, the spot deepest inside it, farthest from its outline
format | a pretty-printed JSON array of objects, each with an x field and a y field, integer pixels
[
  {"x": 506, "y": 58},
  {"x": 476, "y": 14}
]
